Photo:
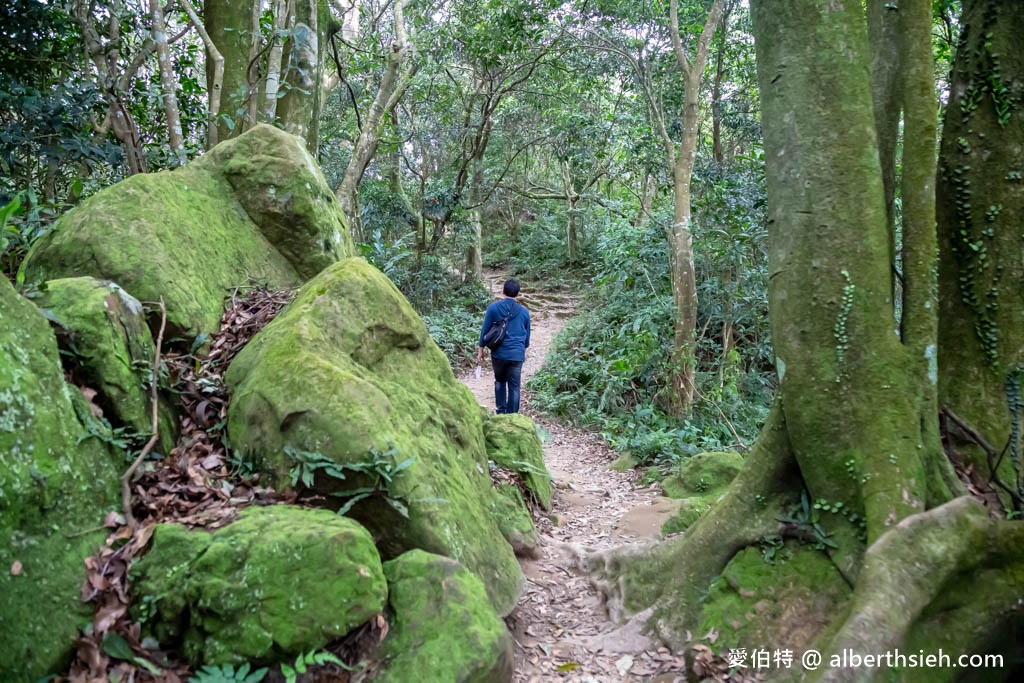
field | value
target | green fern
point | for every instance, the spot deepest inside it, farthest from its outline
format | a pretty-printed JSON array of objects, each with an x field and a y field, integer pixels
[
  {"x": 311, "y": 658},
  {"x": 228, "y": 674}
]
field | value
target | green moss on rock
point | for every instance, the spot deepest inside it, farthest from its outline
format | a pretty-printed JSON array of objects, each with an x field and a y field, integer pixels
[
  {"x": 108, "y": 342},
  {"x": 699, "y": 481},
  {"x": 347, "y": 367},
  {"x": 690, "y": 510},
  {"x": 443, "y": 628},
  {"x": 514, "y": 520},
  {"x": 56, "y": 483},
  {"x": 279, "y": 581},
  {"x": 513, "y": 444},
  {"x": 754, "y": 604},
  {"x": 703, "y": 474},
  {"x": 256, "y": 207},
  {"x": 282, "y": 190}
]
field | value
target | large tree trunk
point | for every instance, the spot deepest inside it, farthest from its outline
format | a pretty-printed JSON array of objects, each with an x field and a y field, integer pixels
[
  {"x": 844, "y": 376},
  {"x": 229, "y": 24},
  {"x": 981, "y": 202},
  {"x": 850, "y": 423}
]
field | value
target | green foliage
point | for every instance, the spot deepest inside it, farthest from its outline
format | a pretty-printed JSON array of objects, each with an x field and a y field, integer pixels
[
  {"x": 227, "y": 673},
  {"x": 540, "y": 252},
  {"x": 379, "y": 470},
  {"x": 609, "y": 366},
  {"x": 806, "y": 519},
  {"x": 308, "y": 659}
]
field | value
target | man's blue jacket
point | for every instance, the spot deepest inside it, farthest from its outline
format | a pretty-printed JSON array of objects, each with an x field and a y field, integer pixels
[{"x": 517, "y": 338}]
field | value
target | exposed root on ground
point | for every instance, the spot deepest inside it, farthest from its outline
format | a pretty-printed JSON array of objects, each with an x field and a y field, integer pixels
[
  {"x": 672, "y": 575},
  {"x": 946, "y": 578}
]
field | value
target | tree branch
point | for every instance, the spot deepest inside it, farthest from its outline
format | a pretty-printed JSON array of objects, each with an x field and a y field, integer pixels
[{"x": 154, "y": 397}]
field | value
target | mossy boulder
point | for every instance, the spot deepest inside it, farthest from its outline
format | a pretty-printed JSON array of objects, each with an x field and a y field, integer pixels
[
  {"x": 254, "y": 207},
  {"x": 689, "y": 511},
  {"x": 279, "y": 581},
  {"x": 58, "y": 479},
  {"x": 106, "y": 340},
  {"x": 513, "y": 444},
  {"x": 703, "y": 474},
  {"x": 442, "y": 626},
  {"x": 347, "y": 373},
  {"x": 779, "y": 605},
  {"x": 514, "y": 520},
  {"x": 699, "y": 481}
]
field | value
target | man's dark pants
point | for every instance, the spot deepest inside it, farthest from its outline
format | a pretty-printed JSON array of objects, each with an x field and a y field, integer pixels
[{"x": 506, "y": 384}]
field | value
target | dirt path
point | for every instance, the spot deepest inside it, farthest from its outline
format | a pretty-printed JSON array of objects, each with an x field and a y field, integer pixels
[{"x": 561, "y": 628}]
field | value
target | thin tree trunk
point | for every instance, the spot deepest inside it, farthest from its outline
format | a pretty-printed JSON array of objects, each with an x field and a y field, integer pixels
[
  {"x": 920, "y": 322},
  {"x": 104, "y": 53},
  {"x": 168, "y": 84},
  {"x": 572, "y": 232},
  {"x": 646, "y": 203},
  {"x": 474, "y": 252},
  {"x": 392, "y": 86},
  {"x": 250, "y": 72},
  {"x": 298, "y": 109},
  {"x": 684, "y": 283},
  {"x": 571, "y": 209},
  {"x": 716, "y": 90},
  {"x": 215, "y": 58},
  {"x": 273, "y": 80},
  {"x": 887, "y": 96}
]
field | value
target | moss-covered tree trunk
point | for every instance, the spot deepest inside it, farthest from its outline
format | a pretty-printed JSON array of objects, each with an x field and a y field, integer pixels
[
  {"x": 980, "y": 209},
  {"x": 844, "y": 375},
  {"x": 854, "y": 424},
  {"x": 230, "y": 26}
]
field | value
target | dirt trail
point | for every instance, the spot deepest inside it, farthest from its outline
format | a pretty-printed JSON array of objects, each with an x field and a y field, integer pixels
[{"x": 561, "y": 629}]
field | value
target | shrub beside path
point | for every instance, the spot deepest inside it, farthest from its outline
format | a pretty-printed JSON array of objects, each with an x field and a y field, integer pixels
[{"x": 561, "y": 628}]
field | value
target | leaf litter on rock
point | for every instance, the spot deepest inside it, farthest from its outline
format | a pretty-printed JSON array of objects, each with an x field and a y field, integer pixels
[{"x": 194, "y": 486}]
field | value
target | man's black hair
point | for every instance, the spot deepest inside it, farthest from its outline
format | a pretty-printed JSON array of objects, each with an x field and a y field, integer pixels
[{"x": 511, "y": 288}]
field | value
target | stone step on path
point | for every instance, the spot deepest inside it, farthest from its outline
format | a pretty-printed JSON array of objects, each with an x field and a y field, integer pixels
[{"x": 561, "y": 628}]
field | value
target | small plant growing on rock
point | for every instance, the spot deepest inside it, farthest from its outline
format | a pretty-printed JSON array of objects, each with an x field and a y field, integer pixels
[{"x": 380, "y": 468}]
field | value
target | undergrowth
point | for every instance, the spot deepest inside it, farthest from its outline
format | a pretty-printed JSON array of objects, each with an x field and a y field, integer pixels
[{"x": 609, "y": 367}]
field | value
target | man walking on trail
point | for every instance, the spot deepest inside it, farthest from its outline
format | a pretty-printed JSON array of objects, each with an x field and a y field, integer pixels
[{"x": 508, "y": 358}]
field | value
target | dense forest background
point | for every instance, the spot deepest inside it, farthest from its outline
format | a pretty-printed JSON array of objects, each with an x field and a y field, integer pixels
[{"x": 538, "y": 138}]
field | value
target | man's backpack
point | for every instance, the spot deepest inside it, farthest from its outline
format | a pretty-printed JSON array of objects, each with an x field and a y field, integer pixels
[{"x": 499, "y": 328}]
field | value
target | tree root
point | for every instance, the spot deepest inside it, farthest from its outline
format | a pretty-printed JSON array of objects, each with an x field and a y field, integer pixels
[
  {"x": 154, "y": 390},
  {"x": 672, "y": 576},
  {"x": 925, "y": 569}
]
